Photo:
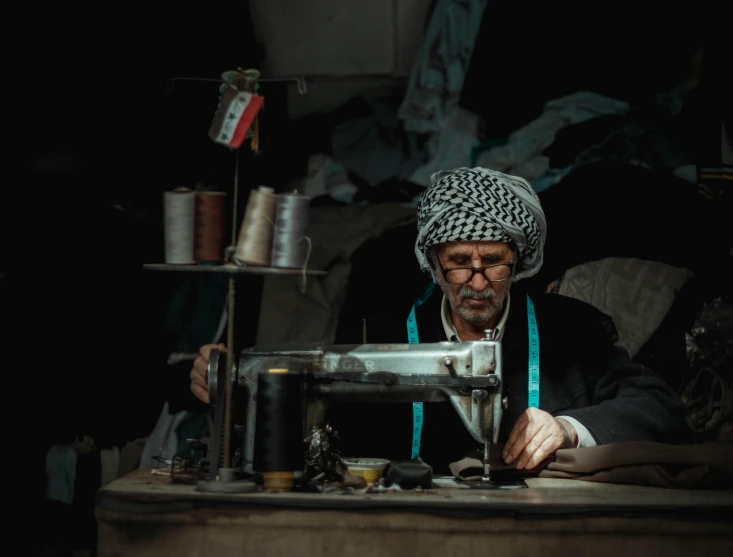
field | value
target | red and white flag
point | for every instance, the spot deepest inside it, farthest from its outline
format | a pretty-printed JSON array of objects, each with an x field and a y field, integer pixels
[{"x": 234, "y": 116}]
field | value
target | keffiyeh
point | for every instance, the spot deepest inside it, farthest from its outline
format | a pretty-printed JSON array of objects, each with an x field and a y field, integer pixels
[{"x": 479, "y": 204}]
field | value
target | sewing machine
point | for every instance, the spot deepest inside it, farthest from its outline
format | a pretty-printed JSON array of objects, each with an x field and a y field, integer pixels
[
  {"x": 143, "y": 514},
  {"x": 468, "y": 374}
]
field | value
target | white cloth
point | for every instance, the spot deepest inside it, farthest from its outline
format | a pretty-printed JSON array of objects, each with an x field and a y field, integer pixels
[
  {"x": 163, "y": 440},
  {"x": 437, "y": 75}
]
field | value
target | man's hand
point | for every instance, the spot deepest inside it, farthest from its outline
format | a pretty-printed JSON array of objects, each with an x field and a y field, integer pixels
[
  {"x": 537, "y": 435},
  {"x": 199, "y": 385}
]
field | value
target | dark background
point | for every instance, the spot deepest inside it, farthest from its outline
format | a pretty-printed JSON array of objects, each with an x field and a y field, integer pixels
[{"x": 100, "y": 137}]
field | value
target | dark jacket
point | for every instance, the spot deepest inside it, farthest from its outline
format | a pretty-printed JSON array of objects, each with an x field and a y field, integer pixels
[{"x": 582, "y": 375}]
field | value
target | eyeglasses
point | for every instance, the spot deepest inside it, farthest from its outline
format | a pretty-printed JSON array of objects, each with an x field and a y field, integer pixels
[{"x": 498, "y": 272}]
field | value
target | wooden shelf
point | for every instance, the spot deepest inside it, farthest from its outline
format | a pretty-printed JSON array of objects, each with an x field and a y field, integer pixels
[{"x": 230, "y": 268}]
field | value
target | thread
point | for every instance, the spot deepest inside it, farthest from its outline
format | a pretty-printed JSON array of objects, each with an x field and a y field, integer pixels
[
  {"x": 289, "y": 244},
  {"x": 254, "y": 244},
  {"x": 179, "y": 208},
  {"x": 210, "y": 226},
  {"x": 279, "y": 450}
]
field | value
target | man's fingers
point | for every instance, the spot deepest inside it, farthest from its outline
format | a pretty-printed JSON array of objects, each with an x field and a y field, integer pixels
[
  {"x": 525, "y": 434},
  {"x": 517, "y": 430},
  {"x": 550, "y": 445},
  {"x": 200, "y": 393},
  {"x": 201, "y": 363},
  {"x": 198, "y": 378},
  {"x": 199, "y": 383},
  {"x": 201, "y": 366},
  {"x": 534, "y": 445}
]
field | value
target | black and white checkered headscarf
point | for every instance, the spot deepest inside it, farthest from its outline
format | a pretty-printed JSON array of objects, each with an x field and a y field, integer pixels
[{"x": 479, "y": 204}]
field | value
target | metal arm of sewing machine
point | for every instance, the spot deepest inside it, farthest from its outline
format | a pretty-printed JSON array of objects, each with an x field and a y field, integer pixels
[{"x": 468, "y": 374}]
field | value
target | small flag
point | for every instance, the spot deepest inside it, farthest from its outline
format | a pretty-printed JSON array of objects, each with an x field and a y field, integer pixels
[{"x": 234, "y": 115}]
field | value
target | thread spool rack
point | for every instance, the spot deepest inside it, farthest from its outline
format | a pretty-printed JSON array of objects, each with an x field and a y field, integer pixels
[
  {"x": 233, "y": 270},
  {"x": 240, "y": 267},
  {"x": 256, "y": 252}
]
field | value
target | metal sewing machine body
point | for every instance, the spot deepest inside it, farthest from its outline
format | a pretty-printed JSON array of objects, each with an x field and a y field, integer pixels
[{"x": 468, "y": 374}]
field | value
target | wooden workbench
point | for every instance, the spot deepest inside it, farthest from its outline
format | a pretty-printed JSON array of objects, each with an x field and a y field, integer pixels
[{"x": 145, "y": 515}]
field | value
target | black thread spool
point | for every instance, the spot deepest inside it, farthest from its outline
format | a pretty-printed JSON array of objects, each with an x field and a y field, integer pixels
[{"x": 279, "y": 450}]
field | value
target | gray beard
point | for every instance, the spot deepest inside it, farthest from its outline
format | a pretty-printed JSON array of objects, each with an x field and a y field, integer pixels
[{"x": 477, "y": 316}]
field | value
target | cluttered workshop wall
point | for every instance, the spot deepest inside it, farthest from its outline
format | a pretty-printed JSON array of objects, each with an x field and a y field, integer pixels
[{"x": 587, "y": 141}]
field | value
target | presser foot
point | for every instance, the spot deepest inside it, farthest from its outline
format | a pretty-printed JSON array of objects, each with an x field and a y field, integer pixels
[{"x": 487, "y": 481}]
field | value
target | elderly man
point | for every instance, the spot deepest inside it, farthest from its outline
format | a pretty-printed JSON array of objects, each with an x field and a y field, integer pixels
[{"x": 568, "y": 385}]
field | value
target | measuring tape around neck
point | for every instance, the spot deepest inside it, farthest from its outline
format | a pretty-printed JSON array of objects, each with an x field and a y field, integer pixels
[
  {"x": 533, "y": 379},
  {"x": 414, "y": 338}
]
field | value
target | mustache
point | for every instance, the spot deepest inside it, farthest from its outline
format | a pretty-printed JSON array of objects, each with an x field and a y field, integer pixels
[{"x": 468, "y": 292}]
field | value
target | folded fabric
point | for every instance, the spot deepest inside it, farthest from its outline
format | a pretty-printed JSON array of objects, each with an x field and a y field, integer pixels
[
  {"x": 647, "y": 463},
  {"x": 706, "y": 465}
]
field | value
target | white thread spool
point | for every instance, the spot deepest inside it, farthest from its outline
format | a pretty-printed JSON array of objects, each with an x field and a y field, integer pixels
[
  {"x": 290, "y": 246},
  {"x": 180, "y": 220},
  {"x": 255, "y": 237}
]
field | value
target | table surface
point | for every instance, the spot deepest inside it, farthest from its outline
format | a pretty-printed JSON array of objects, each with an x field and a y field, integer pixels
[
  {"x": 543, "y": 496},
  {"x": 144, "y": 515}
]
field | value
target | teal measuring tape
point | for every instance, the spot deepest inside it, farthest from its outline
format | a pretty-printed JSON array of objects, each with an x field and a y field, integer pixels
[
  {"x": 533, "y": 379},
  {"x": 414, "y": 338}
]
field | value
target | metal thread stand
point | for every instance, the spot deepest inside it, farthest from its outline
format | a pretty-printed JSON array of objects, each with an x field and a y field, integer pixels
[
  {"x": 230, "y": 326},
  {"x": 233, "y": 271}
]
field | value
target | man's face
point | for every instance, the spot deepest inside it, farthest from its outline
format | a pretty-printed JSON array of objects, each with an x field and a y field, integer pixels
[{"x": 474, "y": 298}]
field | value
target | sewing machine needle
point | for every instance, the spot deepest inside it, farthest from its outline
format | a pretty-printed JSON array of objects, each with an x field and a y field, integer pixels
[{"x": 486, "y": 477}]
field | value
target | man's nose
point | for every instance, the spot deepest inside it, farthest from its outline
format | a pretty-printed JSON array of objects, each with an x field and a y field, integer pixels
[{"x": 479, "y": 282}]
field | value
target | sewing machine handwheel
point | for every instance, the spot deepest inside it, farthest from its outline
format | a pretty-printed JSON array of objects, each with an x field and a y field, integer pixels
[{"x": 212, "y": 375}]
